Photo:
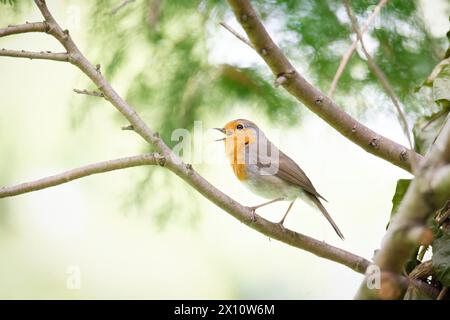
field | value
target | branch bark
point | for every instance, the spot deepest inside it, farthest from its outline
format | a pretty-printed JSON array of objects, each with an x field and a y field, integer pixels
[
  {"x": 84, "y": 171},
  {"x": 420, "y": 202},
  {"x": 313, "y": 98},
  {"x": 60, "y": 56},
  {"x": 23, "y": 28},
  {"x": 120, "y": 6},
  {"x": 92, "y": 93}
]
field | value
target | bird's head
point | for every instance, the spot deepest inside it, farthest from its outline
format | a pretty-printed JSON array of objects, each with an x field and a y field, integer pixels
[{"x": 239, "y": 132}]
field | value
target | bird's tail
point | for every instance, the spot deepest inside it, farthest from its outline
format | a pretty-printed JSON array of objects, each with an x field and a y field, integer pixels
[{"x": 327, "y": 215}]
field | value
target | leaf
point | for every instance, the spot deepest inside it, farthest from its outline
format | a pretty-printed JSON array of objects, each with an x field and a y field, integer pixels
[
  {"x": 412, "y": 263},
  {"x": 10, "y": 2},
  {"x": 427, "y": 128},
  {"x": 400, "y": 190},
  {"x": 441, "y": 87},
  {"x": 441, "y": 259},
  {"x": 433, "y": 225}
]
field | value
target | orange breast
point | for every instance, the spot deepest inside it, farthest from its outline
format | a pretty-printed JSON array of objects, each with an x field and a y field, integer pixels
[
  {"x": 236, "y": 155},
  {"x": 239, "y": 171}
]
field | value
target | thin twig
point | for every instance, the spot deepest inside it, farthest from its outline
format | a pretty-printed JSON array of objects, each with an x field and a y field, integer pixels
[
  {"x": 87, "y": 170},
  {"x": 384, "y": 82},
  {"x": 120, "y": 6},
  {"x": 347, "y": 55},
  {"x": 154, "y": 11},
  {"x": 89, "y": 93},
  {"x": 23, "y": 28},
  {"x": 236, "y": 34},
  {"x": 44, "y": 55},
  {"x": 129, "y": 127}
]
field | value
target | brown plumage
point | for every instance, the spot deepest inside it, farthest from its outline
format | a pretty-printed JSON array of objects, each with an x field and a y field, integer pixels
[{"x": 266, "y": 170}]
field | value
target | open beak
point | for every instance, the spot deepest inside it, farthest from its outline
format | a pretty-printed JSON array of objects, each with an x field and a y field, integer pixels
[{"x": 221, "y": 130}]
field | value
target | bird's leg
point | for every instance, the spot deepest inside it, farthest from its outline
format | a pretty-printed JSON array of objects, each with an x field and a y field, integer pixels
[
  {"x": 253, "y": 209},
  {"x": 284, "y": 217}
]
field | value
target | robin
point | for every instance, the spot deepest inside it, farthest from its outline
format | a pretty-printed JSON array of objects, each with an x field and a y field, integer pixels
[{"x": 266, "y": 170}]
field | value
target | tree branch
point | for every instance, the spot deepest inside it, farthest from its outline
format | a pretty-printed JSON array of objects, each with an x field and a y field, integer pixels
[
  {"x": 384, "y": 82},
  {"x": 89, "y": 93},
  {"x": 236, "y": 34},
  {"x": 346, "y": 57},
  {"x": 442, "y": 294},
  {"x": 84, "y": 171},
  {"x": 23, "y": 28},
  {"x": 80, "y": 61},
  {"x": 422, "y": 199},
  {"x": 154, "y": 11},
  {"x": 64, "y": 57},
  {"x": 122, "y": 4},
  {"x": 313, "y": 98},
  {"x": 184, "y": 171}
]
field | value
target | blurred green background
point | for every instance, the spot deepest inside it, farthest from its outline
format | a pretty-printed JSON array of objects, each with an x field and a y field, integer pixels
[{"x": 143, "y": 233}]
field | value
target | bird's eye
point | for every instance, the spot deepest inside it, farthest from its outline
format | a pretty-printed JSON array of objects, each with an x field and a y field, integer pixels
[{"x": 239, "y": 127}]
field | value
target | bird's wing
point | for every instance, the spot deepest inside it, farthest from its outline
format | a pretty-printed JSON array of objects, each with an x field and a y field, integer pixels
[{"x": 289, "y": 171}]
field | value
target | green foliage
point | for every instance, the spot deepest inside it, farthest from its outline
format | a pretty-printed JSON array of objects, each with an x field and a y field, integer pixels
[
  {"x": 427, "y": 127},
  {"x": 441, "y": 259},
  {"x": 319, "y": 33},
  {"x": 400, "y": 191},
  {"x": 10, "y": 2},
  {"x": 15, "y": 7},
  {"x": 441, "y": 246},
  {"x": 441, "y": 87}
]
